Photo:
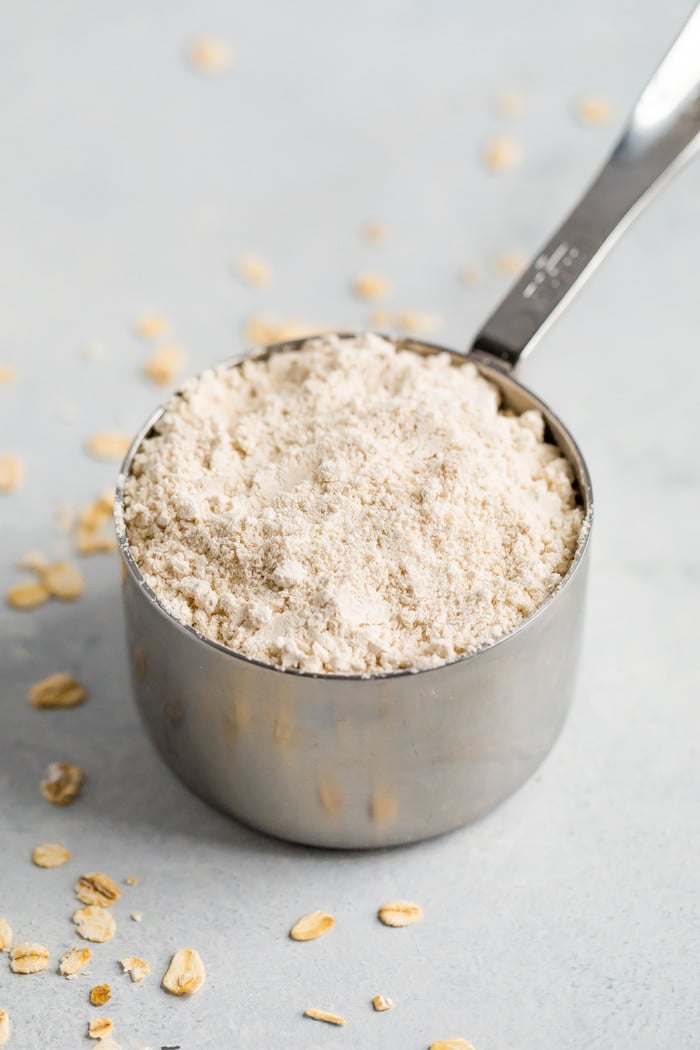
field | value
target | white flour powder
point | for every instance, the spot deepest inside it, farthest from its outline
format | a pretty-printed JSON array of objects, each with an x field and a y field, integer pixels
[{"x": 350, "y": 508}]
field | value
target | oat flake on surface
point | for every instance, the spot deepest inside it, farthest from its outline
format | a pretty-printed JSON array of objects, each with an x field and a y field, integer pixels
[
  {"x": 511, "y": 264},
  {"x": 28, "y": 595},
  {"x": 5, "y": 1027},
  {"x": 97, "y": 888},
  {"x": 381, "y": 1004},
  {"x": 73, "y": 961},
  {"x": 185, "y": 974},
  {"x": 165, "y": 364},
  {"x": 350, "y": 508},
  {"x": 502, "y": 153},
  {"x": 11, "y": 473},
  {"x": 51, "y": 855},
  {"x": 312, "y": 926},
  {"x": 254, "y": 270},
  {"x": 63, "y": 783},
  {"x": 400, "y": 913},
  {"x": 28, "y": 957},
  {"x": 371, "y": 286},
  {"x": 63, "y": 581},
  {"x": 57, "y": 690},
  {"x": 209, "y": 54},
  {"x": 5, "y": 935},
  {"x": 35, "y": 561},
  {"x": 93, "y": 530},
  {"x": 108, "y": 445},
  {"x": 262, "y": 331},
  {"x": 151, "y": 326},
  {"x": 100, "y": 994},
  {"x": 136, "y": 968},
  {"x": 323, "y": 1015},
  {"x": 593, "y": 109},
  {"x": 100, "y": 1028},
  {"x": 7, "y": 374},
  {"x": 95, "y": 923}
]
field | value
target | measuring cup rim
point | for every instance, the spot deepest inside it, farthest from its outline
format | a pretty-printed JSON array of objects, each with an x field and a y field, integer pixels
[{"x": 495, "y": 374}]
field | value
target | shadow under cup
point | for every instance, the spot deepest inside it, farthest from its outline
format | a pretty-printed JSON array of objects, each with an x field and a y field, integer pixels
[{"x": 350, "y": 762}]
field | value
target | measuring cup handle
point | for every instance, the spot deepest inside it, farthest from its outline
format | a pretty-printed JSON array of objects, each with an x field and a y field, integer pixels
[{"x": 662, "y": 133}]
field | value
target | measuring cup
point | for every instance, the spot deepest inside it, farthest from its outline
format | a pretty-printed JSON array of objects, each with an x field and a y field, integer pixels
[{"x": 344, "y": 761}]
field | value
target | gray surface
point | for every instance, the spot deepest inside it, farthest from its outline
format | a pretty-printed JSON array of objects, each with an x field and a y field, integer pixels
[{"x": 568, "y": 918}]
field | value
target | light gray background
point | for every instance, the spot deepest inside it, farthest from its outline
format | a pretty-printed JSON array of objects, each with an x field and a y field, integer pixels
[{"x": 569, "y": 917}]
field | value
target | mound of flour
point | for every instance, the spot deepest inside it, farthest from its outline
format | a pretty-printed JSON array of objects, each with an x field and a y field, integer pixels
[{"x": 348, "y": 508}]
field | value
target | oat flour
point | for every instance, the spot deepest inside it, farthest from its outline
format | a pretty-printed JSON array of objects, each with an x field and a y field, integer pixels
[{"x": 350, "y": 508}]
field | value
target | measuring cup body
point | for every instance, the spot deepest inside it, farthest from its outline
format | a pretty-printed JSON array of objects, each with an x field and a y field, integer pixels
[{"x": 359, "y": 762}]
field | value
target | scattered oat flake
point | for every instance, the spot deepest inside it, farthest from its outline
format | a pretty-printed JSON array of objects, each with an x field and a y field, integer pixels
[
  {"x": 165, "y": 364},
  {"x": 50, "y": 855},
  {"x": 509, "y": 104},
  {"x": 502, "y": 153},
  {"x": 151, "y": 326},
  {"x": 451, "y": 1044},
  {"x": 322, "y": 1015},
  {"x": 253, "y": 270},
  {"x": 7, "y": 374},
  {"x": 11, "y": 473},
  {"x": 28, "y": 957},
  {"x": 29, "y": 594},
  {"x": 136, "y": 916},
  {"x": 73, "y": 961},
  {"x": 371, "y": 286},
  {"x": 185, "y": 974},
  {"x": 100, "y": 1028},
  {"x": 382, "y": 319},
  {"x": 375, "y": 232},
  {"x": 416, "y": 323},
  {"x": 63, "y": 783},
  {"x": 131, "y": 880},
  {"x": 97, "y": 888},
  {"x": 260, "y": 331},
  {"x": 5, "y": 935},
  {"x": 58, "y": 690},
  {"x": 400, "y": 913},
  {"x": 210, "y": 54},
  {"x": 95, "y": 923},
  {"x": 94, "y": 532},
  {"x": 138, "y": 969},
  {"x": 511, "y": 264},
  {"x": 593, "y": 109},
  {"x": 312, "y": 926},
  {"x": 63, "y": 580},
  {"x": 5, "y": 1027},
  {"x": 93, "y": 351},
  {"x": 470, "y": 275},
  {"x": 35, "y": 561},
  {"x": 108, "y": 444},
  {"x": 100, "y": 994},
  {"x": 381, "y": 1004}
]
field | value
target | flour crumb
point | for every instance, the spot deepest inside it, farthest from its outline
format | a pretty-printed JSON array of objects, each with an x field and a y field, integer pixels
[{"x": 350, "y": 508}]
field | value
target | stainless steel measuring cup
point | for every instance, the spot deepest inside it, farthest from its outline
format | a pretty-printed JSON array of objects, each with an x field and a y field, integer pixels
[{"x": 345, "y": 761}]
